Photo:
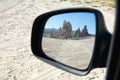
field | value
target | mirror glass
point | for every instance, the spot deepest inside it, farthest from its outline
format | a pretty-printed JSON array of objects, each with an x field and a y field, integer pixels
[{"x": 69, "y": 38}]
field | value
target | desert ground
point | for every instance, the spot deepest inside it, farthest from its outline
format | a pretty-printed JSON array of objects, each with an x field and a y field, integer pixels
[
  {"x": 16, "y": 19},
  {"x": 75, "y": 53}
]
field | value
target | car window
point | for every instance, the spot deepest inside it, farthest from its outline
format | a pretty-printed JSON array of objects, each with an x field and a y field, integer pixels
[{"x": 16, "y": 18}]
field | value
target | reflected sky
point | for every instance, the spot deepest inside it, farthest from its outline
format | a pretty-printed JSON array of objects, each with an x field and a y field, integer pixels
[{"x": 77, "y": 20}]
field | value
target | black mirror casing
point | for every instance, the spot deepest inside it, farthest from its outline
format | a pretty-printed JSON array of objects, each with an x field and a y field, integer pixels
[{"x": 101, "y": 47}]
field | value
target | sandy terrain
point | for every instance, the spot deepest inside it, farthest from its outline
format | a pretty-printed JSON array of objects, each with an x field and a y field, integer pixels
[
  {"x": 75, "y": 53},
  {"x": 16, "y": 59}
]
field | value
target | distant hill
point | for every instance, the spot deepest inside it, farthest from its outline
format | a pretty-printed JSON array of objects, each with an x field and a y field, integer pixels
[{"x": 53, "y": 33}]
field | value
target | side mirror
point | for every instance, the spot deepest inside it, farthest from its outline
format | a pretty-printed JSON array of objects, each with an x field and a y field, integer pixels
[{"x": 75, "y": 40}]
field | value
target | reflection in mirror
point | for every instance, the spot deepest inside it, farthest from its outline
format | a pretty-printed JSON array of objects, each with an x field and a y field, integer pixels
[{"x": 69, "y": 38}]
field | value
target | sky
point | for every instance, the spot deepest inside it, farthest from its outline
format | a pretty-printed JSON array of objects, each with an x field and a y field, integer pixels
[{"x": 77, "y": 20}]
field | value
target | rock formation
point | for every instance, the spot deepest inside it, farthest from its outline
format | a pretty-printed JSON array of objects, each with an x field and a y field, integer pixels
[
  {"x": 78, "y": 33},
  {"x": 85, "y": 31},
  {"x": 65, "y": 31}
]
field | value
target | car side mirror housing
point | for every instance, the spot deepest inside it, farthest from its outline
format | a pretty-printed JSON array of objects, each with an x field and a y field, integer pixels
[{"x": 75, "y": 40}]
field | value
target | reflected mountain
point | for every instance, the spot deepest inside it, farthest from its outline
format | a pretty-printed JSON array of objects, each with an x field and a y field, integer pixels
[{"x": 66, "y": 32}]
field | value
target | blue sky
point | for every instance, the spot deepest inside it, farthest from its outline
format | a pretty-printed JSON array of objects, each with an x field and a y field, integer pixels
[{"x": 77, "y": 20}]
